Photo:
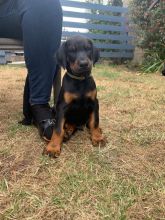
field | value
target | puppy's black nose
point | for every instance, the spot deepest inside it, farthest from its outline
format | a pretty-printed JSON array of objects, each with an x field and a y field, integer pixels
[{"x": 83, "y": 63}]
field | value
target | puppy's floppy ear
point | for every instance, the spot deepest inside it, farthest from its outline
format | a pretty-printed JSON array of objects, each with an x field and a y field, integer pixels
[
  {"x": 96, "y": 55},
  {"x": 61, "y": 56}
]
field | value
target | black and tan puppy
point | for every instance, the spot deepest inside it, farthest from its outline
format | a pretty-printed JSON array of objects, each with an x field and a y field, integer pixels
[{"x": 77, "y": 103}]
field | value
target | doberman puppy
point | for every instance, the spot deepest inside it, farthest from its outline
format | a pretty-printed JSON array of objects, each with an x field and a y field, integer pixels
[{"x": 77, "y": 104}]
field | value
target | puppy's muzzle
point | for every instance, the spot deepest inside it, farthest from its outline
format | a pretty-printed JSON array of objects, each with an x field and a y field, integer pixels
[{"x": 83, "y": 65}]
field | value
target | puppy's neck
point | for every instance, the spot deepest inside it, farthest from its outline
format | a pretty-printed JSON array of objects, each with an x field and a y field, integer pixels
[{"x": 71, "y": 75}]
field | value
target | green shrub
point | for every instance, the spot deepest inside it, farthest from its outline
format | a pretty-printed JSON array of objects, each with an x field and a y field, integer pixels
[{"x": 150, "y": 32}]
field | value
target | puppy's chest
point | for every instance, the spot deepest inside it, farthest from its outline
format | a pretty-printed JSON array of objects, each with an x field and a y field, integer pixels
[
  {"x": 79, "y": 107},
  {"x": 79, "y": 91},
  {"x": 82, "y": 98}
]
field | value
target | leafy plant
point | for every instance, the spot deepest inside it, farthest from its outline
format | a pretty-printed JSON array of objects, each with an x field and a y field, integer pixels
[{"x": 150, "y": 33}]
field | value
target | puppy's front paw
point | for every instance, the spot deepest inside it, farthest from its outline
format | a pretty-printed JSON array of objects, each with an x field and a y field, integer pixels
[
  {"x": 52, "y": 150},
  {"x": 97, "y": 138},
  {"x": 99, "y": 141}
]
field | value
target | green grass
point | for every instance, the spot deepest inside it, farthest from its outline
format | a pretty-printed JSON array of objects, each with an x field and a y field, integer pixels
[
  {"x": 15, "y": 128},
  {"x": 122, "y": 181},
  {"x": 107, "y": 74},
  {"x": 74, "y": 188},
  {"x": 3, "y": 185},
  {"x": 101, "y": 88}
]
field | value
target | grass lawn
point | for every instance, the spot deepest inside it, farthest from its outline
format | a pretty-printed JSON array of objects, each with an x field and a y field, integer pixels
[{"x": 124, "y": 180}]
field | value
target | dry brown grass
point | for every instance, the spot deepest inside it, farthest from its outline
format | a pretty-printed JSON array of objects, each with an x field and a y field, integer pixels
[{"x": 124, "y": 180}]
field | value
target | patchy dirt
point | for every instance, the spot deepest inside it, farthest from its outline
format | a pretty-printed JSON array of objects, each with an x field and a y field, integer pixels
[{"x": 124, "y": 180}]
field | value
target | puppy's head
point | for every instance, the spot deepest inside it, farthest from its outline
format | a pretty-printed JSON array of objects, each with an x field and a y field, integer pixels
[{"x": 77, "y": 55}]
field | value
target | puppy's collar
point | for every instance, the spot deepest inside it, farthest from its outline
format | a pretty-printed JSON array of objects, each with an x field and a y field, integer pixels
[{"x": 78, "y": 77}]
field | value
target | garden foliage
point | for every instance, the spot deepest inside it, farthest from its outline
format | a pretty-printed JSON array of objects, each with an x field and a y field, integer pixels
[{"x": 149, "y": 27}]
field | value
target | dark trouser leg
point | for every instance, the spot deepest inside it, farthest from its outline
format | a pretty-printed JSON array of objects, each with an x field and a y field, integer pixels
[
  {"x": 41, "y": 25},
  {"x": 26, "y": 105}
]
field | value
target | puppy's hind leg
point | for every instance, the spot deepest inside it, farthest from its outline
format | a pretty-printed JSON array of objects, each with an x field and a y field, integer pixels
[{"x": 96, "y": 133}]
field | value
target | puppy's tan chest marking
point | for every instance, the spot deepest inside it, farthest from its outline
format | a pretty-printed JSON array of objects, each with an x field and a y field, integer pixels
[
  {"x": 69, "y": 97},
  {"x": 92, "y": 94}
]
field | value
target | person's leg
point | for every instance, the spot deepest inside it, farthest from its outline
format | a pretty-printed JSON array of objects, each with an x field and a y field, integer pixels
[
  {"x": 39, "y": 24},
  {"x": 42, "y": 26},
  {"x": 26, "y": 104}
]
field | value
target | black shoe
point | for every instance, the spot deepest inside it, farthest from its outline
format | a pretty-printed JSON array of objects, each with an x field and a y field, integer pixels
[
  {"x": 25, "y": 121},
  {"x": 44, "y": 119}
]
